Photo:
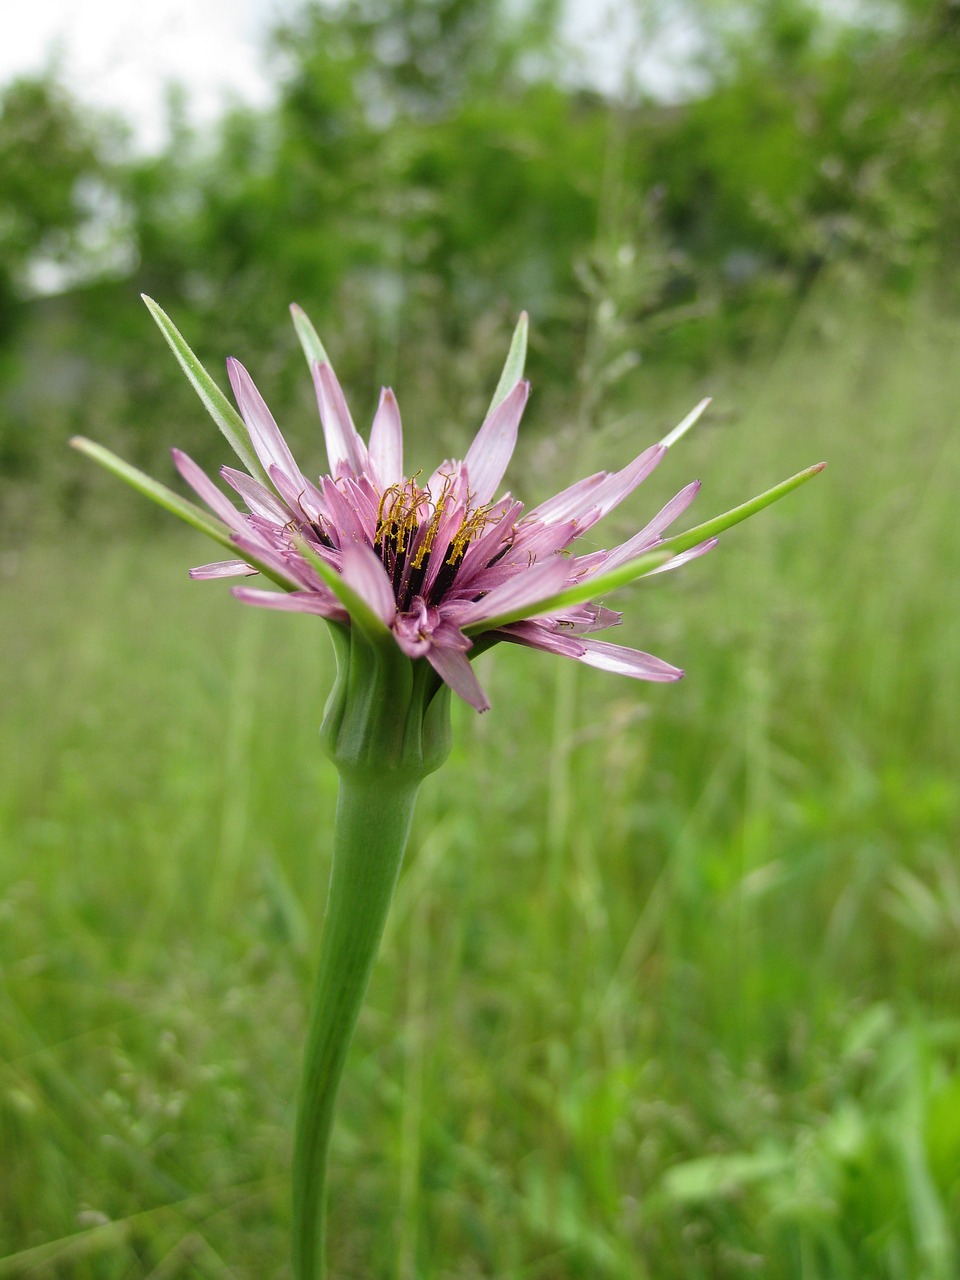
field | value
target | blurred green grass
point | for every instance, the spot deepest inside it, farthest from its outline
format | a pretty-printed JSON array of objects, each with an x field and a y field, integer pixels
[{"x": 670, "y": 988}]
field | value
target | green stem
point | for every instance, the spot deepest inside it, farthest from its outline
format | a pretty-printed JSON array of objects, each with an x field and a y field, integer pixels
[
  {"x": 372, "y": 825},
  {"x": 386, "y": 727}
]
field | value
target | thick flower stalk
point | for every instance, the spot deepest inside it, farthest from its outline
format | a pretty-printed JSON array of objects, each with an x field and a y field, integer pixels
[{"x": 415, "y": 576}]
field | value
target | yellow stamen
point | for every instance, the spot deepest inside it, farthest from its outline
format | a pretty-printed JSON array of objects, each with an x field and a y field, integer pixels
[
  {"x": 398, "y": 514},
  {"x": 406, "y": 511},
  {"x": 475, "y": 522},
  {"x": 433, "y": 526}
]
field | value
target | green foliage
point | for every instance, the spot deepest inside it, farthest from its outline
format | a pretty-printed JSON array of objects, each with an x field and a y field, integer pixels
[
  {"x": 670, "y": 987},
  {"x": 682, "y": 1000},
  {"x": 428, "y": 171},
  {"x": 48, "y": 153}
]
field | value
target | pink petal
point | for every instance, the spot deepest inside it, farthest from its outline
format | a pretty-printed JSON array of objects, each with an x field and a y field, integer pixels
[
  {"x": 582, "y": 566},
  {"x": 591, "y": 499},
  {"x": 612, "y": 491},
  {"x": 447, "y": 636},
  {"x": 293, "y": 602},
  {"x": 450, "y": 480},
  {"x": 453, "y": 667},
  {"x": 204, "y": 487},
  {"x": 568, "y": 502},
  {"x": 386, "y": 440},
  {"x": 602, "y": 618},
  {"x": 270, "y": 445},
  {"x": 686, "y": 556},
  {"x": 595, "y": 653},
  {"x": 364, "y": 500},
  {"x": 489, "y": 455},
  {"x": 364, "y": 572},
  {"x": 674, "y": 508},
  {"x": 344, "y": 446},
  {"x": 480, "y": 553},
  {"x": 304, "y": 500},
  {"x": 580, "y": 620},
  {"x": 627, "y": 662},
  {"x": 486, "y": 579},
  {"x": 649, "y": 535},
  {"x": 537, "y": 635},
  {"x": 291, "y": 568},
  {"x": 527, "y": 588},
  {"x": 346, "y": 523},
  {"x": 258, "y": 499},
  {"x": 541, "y": 540},
  {"x": 223, "y": 569}
]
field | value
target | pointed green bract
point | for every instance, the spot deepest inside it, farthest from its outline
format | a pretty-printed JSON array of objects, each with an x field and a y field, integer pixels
[
  {"x": 360, "y": 612},
  {"x": 592, "y": 588},
  {"x": 186, "y": 511},
  {"x": 588, "y": 589},
  {"x": 313, "y": 348},
  {"x": 513, "y": 367},
  {"x": 214, "y": 401},
  {"x": 153, "y": 489},
  {"x": 710, "y": 529}
]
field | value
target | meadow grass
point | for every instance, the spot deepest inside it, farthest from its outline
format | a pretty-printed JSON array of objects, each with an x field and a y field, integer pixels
[{"x": 670, "y": 987}]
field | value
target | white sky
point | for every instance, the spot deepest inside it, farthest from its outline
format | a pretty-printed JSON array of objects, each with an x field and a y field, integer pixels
[{"x": 121, "y": 54}]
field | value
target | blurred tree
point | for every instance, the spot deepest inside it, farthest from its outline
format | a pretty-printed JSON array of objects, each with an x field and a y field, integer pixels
[
  {"x": 53, "y": 169},
  {"x": 429, "y": 167},
  {"x": 388, "y": 181},
  {"x": 822, "y": 140},
  {"x": 427, "y": 58},
  {"x": 61, "y": 224}
]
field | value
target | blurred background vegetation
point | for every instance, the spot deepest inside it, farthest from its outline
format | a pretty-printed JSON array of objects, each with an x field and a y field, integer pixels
[
  {"x": 432, "y": 166},
  {"x": 671, "y": 989}
]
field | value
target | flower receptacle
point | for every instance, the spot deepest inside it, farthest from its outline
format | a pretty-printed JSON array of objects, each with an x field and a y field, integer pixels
[{"x": 388, "y": 716}]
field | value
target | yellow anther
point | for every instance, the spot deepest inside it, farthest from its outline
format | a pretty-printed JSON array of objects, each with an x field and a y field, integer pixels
[
  {"x": 430, "y": 532},
  {"x": 406, "y": 511},
  {"x": 473, "y": 526},
  {"x": 398, "y": 513}
]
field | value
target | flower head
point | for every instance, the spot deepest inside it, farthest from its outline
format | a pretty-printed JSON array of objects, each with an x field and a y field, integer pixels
[
  {"x": 431, "y": 565},
  {"x": 438, "y": 559}
]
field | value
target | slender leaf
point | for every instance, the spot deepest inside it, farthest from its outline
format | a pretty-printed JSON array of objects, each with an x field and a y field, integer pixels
[
  {"x": 360, "y": 612},
  {"x": 592, "y": 588},
  {"x": 588, "y": 589},
  {"x": 513, "y": 367},
  {"x": 681, "y": 429},
  {"x": 313, "y": 348},
  {"x": 189, "y": 512},
  {"x": 700, "y": 533},
  {"x": 214, "y": 401}
]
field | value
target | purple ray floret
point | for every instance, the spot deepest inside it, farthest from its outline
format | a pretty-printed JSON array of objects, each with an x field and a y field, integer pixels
[{"x": 428, "y": 565}]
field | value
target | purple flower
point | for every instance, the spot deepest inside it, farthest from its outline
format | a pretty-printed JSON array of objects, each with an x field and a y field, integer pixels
[
  {"x": 438, "y": 561},
  {"x": 440, "y": 568}
]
